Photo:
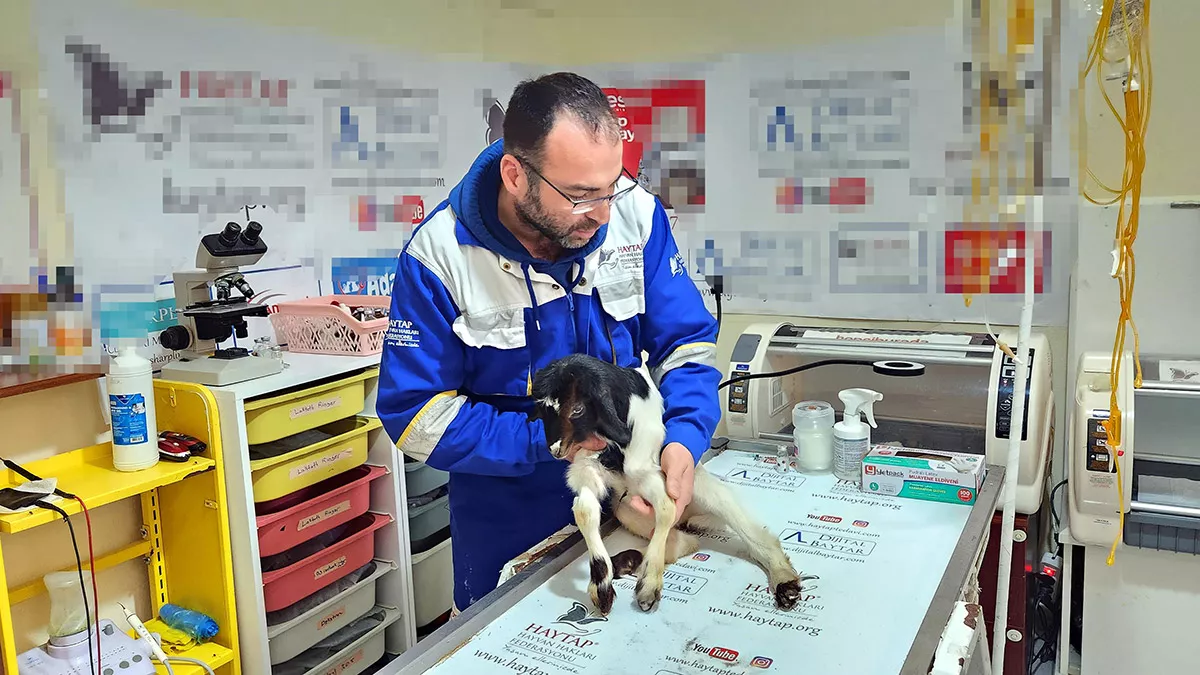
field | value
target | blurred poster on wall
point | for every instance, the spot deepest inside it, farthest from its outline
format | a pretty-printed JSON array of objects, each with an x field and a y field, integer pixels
[{"x": 662, "y": 124}]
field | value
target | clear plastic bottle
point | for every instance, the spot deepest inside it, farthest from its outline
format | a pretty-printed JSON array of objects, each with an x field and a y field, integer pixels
[
  {"x": 812, "y": 431},
  {"x": 851, "y": 437}
]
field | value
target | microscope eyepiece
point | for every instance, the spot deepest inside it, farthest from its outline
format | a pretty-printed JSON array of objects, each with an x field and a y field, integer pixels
[
  {"x": 229, "y": 236},
  {"x": 253, "y": 230}
]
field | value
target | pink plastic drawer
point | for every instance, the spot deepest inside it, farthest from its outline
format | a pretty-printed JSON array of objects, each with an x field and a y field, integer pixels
[
  {"x": 302, "y": 515},
  {"x": 295, "y": 582}
]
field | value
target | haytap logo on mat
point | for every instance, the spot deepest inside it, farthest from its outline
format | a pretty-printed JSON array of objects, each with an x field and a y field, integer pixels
[{"x": 578, "y": 616}]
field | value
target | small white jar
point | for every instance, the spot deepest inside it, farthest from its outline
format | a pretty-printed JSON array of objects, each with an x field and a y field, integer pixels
[{"x": 812, "y": 431}]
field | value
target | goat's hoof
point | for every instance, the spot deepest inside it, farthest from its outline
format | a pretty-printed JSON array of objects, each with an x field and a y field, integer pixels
[
  {"x": 603, "y": 597},
  {"x": 648, "y": 595},
  {"x": 626, "y": 562},
  {"x": 787, "y": 594}
]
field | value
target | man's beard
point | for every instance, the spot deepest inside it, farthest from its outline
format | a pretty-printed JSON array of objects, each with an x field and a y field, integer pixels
[{"x": 530, "y": 211}]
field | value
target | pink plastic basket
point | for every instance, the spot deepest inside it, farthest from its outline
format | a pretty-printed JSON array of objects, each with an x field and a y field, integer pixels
[
  {"x": 294, "y": 519},
  {"x": 287, "y": 586},
  {"x": 316, "y": 326}
]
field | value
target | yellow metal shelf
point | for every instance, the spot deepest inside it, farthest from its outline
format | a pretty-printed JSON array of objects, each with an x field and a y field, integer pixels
[{"x": 88, "y": 472}]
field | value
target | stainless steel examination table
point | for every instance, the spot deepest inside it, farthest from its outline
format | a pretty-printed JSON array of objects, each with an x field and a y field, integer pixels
[{"x": 896, "y": 593}]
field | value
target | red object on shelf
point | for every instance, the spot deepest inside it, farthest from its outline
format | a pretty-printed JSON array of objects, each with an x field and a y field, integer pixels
[{"x": 1018, "y": 593}]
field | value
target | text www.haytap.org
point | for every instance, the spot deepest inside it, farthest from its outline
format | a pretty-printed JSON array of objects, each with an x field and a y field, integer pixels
[{"x": 512, "y": 664}]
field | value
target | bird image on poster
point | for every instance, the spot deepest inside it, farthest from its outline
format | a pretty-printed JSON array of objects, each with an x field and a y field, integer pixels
[
  {"x": 113, "y": 103},
  {"x": 494, "y": 118}
]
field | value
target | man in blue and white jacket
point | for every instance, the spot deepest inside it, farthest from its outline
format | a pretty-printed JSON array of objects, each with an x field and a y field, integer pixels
[{"x": 546, "y": 247}]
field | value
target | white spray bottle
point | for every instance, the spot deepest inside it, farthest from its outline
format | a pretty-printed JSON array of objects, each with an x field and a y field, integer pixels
[{"x": 852, "y": 438}]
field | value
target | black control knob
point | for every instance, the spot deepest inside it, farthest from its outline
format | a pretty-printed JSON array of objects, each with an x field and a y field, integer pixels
[
  {"x": 253, "y": 230},
  {"x": 175, "y": 338},
  {"x": 229, "y": 236}
]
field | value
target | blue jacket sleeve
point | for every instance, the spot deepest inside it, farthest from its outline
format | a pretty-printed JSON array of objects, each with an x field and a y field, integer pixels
[
  {"x": 679, "y": 335},
  {"x": 421, "y": 371}
]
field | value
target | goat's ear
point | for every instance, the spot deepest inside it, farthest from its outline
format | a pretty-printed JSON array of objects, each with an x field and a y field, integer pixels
[{"x": 610, "y": 424}]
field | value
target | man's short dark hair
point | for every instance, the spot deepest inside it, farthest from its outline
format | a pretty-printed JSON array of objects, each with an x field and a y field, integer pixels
[{"x": 536, "y": 104}]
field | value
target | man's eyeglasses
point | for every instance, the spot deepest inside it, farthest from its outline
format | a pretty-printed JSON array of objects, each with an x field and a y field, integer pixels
[{"x": 581, "y": 206}]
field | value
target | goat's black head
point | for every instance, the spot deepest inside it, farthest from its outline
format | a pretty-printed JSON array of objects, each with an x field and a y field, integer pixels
[{"x": 579, "y": 396}]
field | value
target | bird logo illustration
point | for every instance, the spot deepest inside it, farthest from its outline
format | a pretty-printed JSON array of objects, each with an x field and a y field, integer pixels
[
  {"x": 494, "y": 117},
  {"x": 113, "y": 103}
]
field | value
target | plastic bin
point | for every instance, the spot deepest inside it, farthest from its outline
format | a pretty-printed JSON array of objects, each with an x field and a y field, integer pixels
[
  {"x": 304, "y": 514},
  {"x": 433, "y": 583},
  {"x": 270, "y": 419},
  {"x": 297, "y": 581},
  {"x": 316, "y": 326},
  {"x": 289, "y": 640},
  {"x": 420, "y": 478},
  {"x": 338, "y": 447},
  {"x": 361, "y": 653},
  {"x": 426, "y": 522}
]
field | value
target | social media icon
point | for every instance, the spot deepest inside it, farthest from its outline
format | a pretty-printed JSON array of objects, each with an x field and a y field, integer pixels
[
  {"x": 700, "y": 556},
  {"x": 761, "y": 662}
]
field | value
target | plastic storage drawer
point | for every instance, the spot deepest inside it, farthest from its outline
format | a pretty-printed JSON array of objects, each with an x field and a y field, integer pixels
[
  {"x": 339, "y": 447},
  {"x": 283, "y": 587},
  {"x": 433, "y": 583},
  {"x": 361, "y": 653},
  {"x": 426, "y": 521},
  {"x": 271, "y": 419},
  {"x": 420, "y": 478},
  {"x": 289, "y": 640},
  {"x": 304, "y": 514}
]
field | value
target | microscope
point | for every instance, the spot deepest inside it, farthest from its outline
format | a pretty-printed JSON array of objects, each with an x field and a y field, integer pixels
[{"x": 212, "y": 312}]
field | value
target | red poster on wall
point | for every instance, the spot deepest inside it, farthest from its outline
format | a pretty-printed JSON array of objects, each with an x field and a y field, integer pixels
[{"x": 662, "y": 125}]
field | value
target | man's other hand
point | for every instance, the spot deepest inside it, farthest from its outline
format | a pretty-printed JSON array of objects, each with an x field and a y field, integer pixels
[{"x": 680, "y": 469}]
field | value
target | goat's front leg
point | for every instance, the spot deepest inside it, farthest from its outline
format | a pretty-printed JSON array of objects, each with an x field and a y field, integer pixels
[
  {"x": 587, "y": 518},
  {"x": 650, "y": 576}
]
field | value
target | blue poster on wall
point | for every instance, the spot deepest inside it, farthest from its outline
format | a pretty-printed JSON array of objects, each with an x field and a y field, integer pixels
[{"x": 364, "y": 276}]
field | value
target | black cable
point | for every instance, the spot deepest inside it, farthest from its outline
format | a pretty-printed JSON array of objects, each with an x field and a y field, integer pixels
[
  {"x": 717, "y": 299},
  {"x": 1054, "y": 512},
  {"x": 797, "y": 369},
  {"x": 87, "y": 612},
  {"x": 716, "y": 282},
  {"x": 30, "y": 476}
]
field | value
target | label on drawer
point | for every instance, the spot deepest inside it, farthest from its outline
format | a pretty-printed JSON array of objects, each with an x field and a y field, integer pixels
[
  {"x": 316, "y": 406},
  {"x": 331, "y": 617},
  {"x": 333, "y": 566},
  {"x": 320, "y": 462},
  {"x": 326, "y": 514},
  {"x": 345, "y": 665}
]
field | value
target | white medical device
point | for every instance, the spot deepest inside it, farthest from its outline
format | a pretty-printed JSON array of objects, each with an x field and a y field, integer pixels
[
  {"x": 962, "y": 403},
  {"x": 1151, "y": 481}
]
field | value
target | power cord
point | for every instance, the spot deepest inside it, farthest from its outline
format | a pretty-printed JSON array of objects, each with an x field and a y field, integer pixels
[
  {"x": 97, "y": 664},
  {"x": 1044, "y": 624},
  {"x": 87, "y": 611},
  {"x": 1054, "y": 514},
  {"x": 717, "y": 283}
]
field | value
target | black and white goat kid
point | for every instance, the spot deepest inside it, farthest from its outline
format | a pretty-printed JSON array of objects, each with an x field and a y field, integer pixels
[{"x": 580, "y": 396}]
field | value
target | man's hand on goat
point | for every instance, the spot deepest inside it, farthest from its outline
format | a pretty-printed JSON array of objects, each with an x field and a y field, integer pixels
[{"x": 680, "y": 469}]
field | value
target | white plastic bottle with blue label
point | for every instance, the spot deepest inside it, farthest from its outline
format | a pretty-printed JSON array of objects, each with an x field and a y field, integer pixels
[
  {"x": 852, "y": 438},
  {"x": 130, "y": 383}
]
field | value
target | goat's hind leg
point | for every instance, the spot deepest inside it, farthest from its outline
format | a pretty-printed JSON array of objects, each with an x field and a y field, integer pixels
[
  {"x": 650, "y": 577},
  {"x": 713, "y": 501},
  {"x": 680, "y": 544}
]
